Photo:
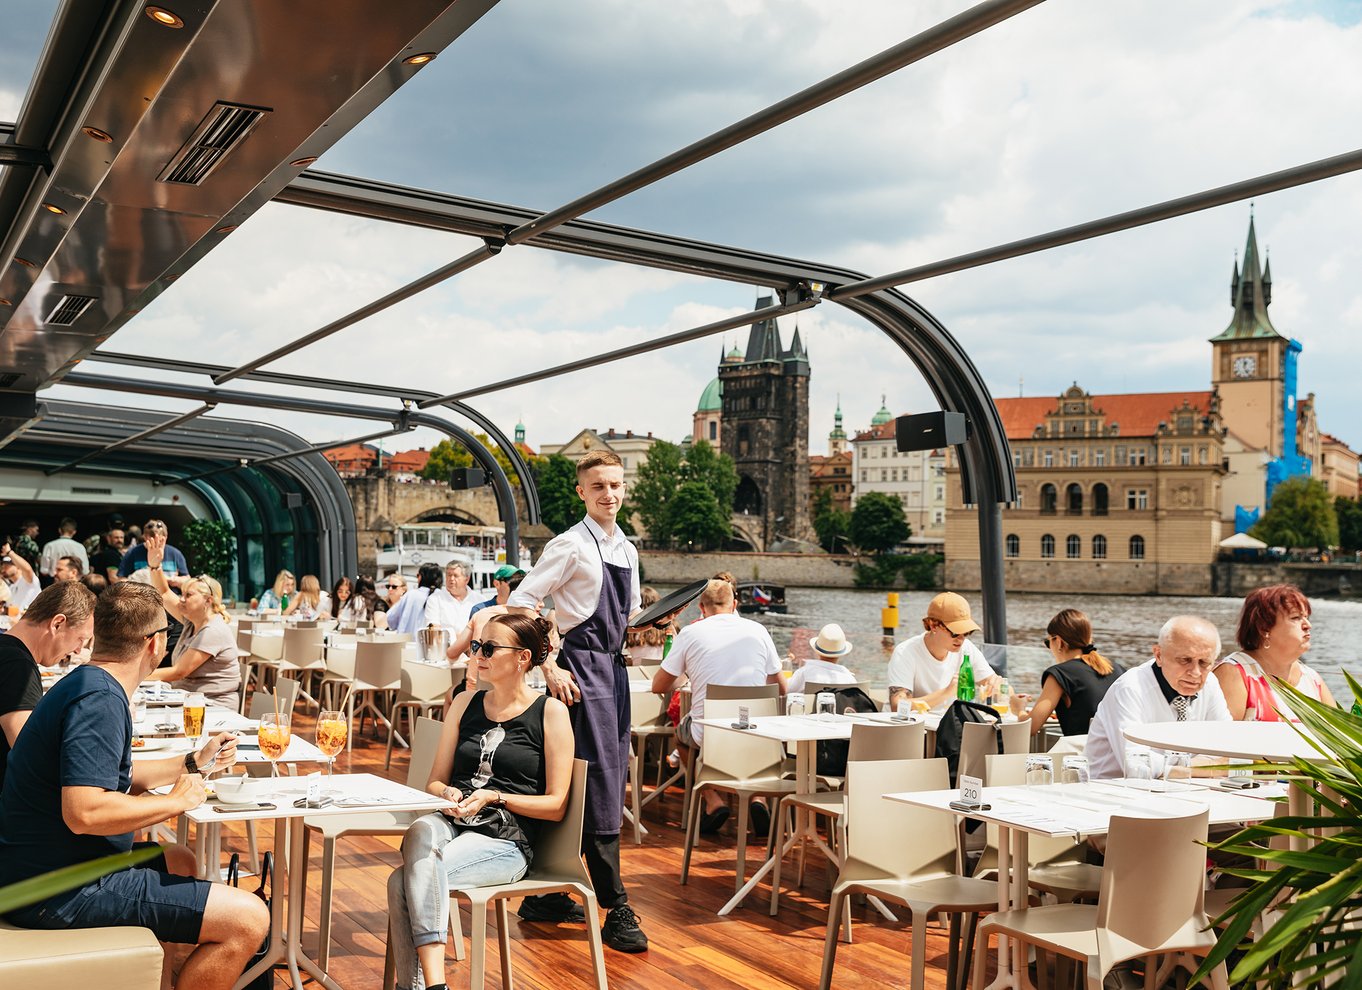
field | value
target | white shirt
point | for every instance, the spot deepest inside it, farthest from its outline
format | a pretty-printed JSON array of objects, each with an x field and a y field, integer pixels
[
  {"x": 448, "y": 612},
  {"x": 1136, "y": 697},
  {"x": 570, "y": 571},
  {"x": 22, "y": 592},
  {"x": 55, "y": 550},
  {"x": 819, "y": 671},
  {"x": 912, "y": 667},
  {"x": 720, "y": 649}
]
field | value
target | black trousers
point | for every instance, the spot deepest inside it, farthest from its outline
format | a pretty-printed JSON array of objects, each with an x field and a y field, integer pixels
[{"x": 602, "y": 854}]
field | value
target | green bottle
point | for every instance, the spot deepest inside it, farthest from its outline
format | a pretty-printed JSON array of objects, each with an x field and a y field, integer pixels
[
  {"x": 283, "y": 601},
  {"x": 666, "y": 646},
  {"x": 964, "y": 688}
]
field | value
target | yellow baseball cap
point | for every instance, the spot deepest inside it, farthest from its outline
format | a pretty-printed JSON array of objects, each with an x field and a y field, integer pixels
[{"x": 952, "y": 611}]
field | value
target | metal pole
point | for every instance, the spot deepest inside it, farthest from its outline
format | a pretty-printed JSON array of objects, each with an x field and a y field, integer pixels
[
  {"x": 633, "y": 350},
  {"x": 129, "y": 441},
  {"x": 1272, "y": 182},
  {"x": 963, "y": 25}
]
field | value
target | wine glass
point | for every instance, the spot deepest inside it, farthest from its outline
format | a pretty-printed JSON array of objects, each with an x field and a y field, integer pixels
[
  {"x": 276, "y": 731},
  {"x": 333, "y": 728}
]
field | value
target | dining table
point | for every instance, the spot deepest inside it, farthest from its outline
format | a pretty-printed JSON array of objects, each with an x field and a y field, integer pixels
[
  {"x": 284, "y": 802},
  {"x": 1080, "y": 811}
]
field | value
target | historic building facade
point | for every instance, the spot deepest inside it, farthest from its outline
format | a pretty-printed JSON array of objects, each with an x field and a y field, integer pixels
[
  {"x": 917, "y": 478},
  {"x": 832, "y": 472}
]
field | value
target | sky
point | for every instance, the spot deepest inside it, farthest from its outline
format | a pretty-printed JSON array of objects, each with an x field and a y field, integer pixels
[{"x": 1071, "y": 111}]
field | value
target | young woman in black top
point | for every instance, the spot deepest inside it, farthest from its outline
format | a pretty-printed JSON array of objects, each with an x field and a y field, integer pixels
[
  {"x": 504, "y": 748},
  {"x": 1078, "y": 681}
]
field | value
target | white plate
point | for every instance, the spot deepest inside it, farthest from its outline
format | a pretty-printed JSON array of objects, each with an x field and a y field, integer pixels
[{"x": 151, "y": 742}]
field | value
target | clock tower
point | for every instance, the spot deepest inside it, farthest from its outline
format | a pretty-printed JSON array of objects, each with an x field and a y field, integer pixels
[{"x": 1251, "y": 362}]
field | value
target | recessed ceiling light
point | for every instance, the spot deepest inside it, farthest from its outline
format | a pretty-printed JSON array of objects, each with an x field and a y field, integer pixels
[
  {"x": 53, "y": 208},
  {"x": 25, "y": 262},
  {"x": 303, "y": 162},
  {"x": 163, "y": 17},
  {"x": 419, "y": 59},
  {"x": 227, "y": 229},
  {"x": 97, "y": 134}
]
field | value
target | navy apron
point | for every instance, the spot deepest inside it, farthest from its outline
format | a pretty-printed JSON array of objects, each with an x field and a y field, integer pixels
[{"x": 594, "y": 652}]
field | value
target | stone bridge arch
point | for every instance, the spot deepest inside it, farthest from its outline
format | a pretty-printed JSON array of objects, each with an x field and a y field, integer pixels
[{"x": 748, "y": 529}]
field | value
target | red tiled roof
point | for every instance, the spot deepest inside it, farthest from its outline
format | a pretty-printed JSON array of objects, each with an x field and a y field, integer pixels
[
  {"x": 1138, "y": 413},
  {"x": 885, "y": 431},
  {"x": 408, "y": 460}
]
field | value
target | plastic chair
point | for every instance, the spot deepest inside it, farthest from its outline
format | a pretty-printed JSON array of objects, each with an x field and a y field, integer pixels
[
  {"x": 1070, "y": 746},
  {"x": 378, "y": 668},
  {"x": 811, "y": 688},
  {"x": 557, "y": 866},
  {"x": 425, "y": 742},
  {"x": 422, "y": 693},
  {"x": 1151, "y": 902},
  {"x": 714, "y": 692},
  {"x": 980, "y": 739},
  {"x": 741, "y": 764},
  {"x": 339, "y": 673},
  {"x": 740, "y": 692},
  {"x": 881, "y": 859},
  {"x": 647, "y": 721},
  {"x": 302, "y": 657},
  {"x": 870, "y": 743},
  {"x": 109, "y": 958},
  {"x": 265, "y": 653}
]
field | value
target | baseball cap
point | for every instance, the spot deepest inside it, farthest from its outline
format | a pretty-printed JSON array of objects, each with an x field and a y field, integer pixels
[
  {"x": 506, "y": 571},
  {"x": 952, "y": 611}
]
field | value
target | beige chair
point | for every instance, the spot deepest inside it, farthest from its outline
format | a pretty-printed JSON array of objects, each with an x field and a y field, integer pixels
[
  {"x": 740, "y": 764},
  {"x": 557, "y": 867},
  {"x": 339, "y": 673},
  {"x": 648, "y": 721},
  {"x": 902, "y": 854},
  {"x": 980, "y": 739},
  {"x": 107, "y": 958},
  {"x": 263, "y": 701},
  {"x": 1151, "y": 903},
  {"x": 1070, "y": 746},
  {"x": 422, "y": 694},
  {"x": 715, "y": 692},
  {"x": 424, "y": 744},
  {"x": 740, "y": 692},
  {"x": 378, "y": 670},
  {"x": 811, "y": 689},
  {"x": 870, "y": 743},
  {"x": 265, "y": 651},
  {"x": 302, "y": 657}
]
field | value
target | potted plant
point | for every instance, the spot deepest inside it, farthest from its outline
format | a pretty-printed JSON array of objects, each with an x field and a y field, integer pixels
[
  {"x": 210, "y": 545},
  {"x": 1316, "y": 892}
]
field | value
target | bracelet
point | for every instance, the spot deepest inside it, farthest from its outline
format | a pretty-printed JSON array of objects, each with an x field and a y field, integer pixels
[{"x": 501, "y": 800}]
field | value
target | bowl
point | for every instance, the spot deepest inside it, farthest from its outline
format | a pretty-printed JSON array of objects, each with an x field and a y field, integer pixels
[{"x": 234, "y": 789}]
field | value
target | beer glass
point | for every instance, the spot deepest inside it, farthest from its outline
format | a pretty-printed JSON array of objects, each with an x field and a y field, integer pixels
[
  {"x": 194, "y": 707},
  {"x": 276, "y": 731}
]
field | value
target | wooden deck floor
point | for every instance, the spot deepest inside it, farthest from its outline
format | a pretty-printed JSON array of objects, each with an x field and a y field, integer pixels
[{"x": 690, "y": 945}]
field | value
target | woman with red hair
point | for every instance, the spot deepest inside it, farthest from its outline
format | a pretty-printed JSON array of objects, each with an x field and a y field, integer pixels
[{"x": 1273, "y": 634}]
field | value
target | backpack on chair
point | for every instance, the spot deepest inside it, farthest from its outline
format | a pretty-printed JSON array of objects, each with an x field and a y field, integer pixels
[
  {"x": 950, "y": 732},
  {"x": 832, "y": 753}
]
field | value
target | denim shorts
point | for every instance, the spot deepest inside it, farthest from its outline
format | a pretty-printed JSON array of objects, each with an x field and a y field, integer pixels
[{"x": 142, "y": 896}]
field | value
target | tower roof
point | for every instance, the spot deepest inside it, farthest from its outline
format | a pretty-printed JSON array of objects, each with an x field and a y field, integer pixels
[
  {"x": 763, "y": 343},
  {"x": 883, "y": 416},
  {"x": 712, "y": 398},
  {"x": 837, "y": 432},
  {"x": 1250, "y": 294}
]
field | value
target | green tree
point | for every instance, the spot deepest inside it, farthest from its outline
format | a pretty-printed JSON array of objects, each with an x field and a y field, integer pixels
[
  {"x": 696, "y": 518},
  {"x": 1349, "y": 513},
  {"x": 556, "y": 479},
  {"x": 1301, "y": 515},
  {"x": 877, "y": 522},
  {"x": 830, "y": 523},
  {"x": 658, "y": 479},
  {"x": 445, "y": 456},
  {"x": 715, "y": 470},
  {"x": 210, "y": 546}
]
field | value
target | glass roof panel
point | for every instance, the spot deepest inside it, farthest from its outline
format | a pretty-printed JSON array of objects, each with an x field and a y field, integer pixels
[{"x": 26, "y": 25}]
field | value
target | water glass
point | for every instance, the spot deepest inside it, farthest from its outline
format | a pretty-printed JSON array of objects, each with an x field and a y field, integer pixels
[
  {"x": 1040, "y": 770},
  {"x": 826, "y": 703},
  {"x": 138, "y": 708},
  {"x": 795, "y": 703},
  {"x": 1138, "y": 764},
  {"x": 1177, "y": 766},
  {"x": 1075, "y": 770}
]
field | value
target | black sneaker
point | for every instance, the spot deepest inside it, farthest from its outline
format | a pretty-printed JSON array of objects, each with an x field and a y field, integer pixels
[
  {"x": 552, "y": 908},
  {"x": 760, "y": 817},
  {"x": 712, "y": 821},
  {"x": 621, "y": 931}
]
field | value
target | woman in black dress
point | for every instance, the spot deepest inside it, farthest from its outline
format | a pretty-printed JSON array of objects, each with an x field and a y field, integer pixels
[{"x": 1074, "y": 686}]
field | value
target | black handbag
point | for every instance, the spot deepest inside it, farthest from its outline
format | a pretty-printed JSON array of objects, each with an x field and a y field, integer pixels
[
  {"x": 496, "y": 822},
  {"x": 832, "y": 753},
  {"x": 265, "y": 981},
  {"x": 951, "y": 730}
]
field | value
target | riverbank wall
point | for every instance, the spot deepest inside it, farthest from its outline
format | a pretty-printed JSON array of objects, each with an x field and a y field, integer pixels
[
  {"x": 1222, "y": 579},
  {"x": 805, "y": 570}
]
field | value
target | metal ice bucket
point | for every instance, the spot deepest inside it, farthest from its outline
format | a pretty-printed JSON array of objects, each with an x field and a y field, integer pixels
[{"x": 432, "y": 641}]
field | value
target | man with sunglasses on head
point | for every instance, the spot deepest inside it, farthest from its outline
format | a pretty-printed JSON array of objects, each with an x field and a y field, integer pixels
[{"x": 926, "y": 668}]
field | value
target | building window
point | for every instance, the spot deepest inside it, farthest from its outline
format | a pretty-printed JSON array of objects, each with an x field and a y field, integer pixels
[
  {"x": 1137, "y": 499},
  {"x": 884, "y": 474},
  {"x": 1137, "y": 456},
  {"x": 1185, "y": 456},
  {"x": 1013, "y": 545},
  {"x": 713, "y": 430},
  {"x": 1073, "y": 547},
  {"x": 865, "y": 475},
  {"x": 1016, "y": 458},
  {"x": 1099, "y": 499},
  {"x": 1073, "y": 458},
  {"x": 938, "y": 517},
  {"x": 1048, "y": 496},
  {"x": 940, "y": 492},
  {"x": 1099, "y": 547},
  {"x": 1099, "y": 457},
  {"x": 1049, "y": 458},
  {"x": 893, "y": 474},
  {"x": 1047, "y": 545},
  {"x": 1073, "y": 500},
  {"x": 1137, "y": 548}
]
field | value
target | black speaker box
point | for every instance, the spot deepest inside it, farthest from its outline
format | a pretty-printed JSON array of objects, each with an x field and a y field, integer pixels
[
  {"x": 292, "y": 500},
  {"x": 930, "y": 431},
  {"x": 464, "y": 478}
]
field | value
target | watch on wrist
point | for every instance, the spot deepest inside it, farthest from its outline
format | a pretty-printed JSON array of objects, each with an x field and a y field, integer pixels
[{"x": 191, "y": 765}]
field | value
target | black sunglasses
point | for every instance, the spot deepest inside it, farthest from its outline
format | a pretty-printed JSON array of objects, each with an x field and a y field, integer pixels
[
  {"x": 487, "y": 648},
  {"x": 157, "y": 632}
]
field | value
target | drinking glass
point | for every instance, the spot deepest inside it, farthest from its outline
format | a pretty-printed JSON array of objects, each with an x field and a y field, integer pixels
[
  {"x": 795, "y": 703},
  {"x": 1040, "y": 770},
  {"x": 138, "y": 708},
  {"x": 1075, "y": 770},
  {"x": 1177, "y": 766},
  {"x": 276, "y": 731},
  {"x": 333, "y": 728},
  {"x": 826, "y": 703},
  {"x": 194, "y": 709},
  {"x": 1138, "y": 765}
]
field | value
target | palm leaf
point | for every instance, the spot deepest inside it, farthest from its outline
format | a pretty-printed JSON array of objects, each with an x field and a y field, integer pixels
[{"x": 40, "y": 888}]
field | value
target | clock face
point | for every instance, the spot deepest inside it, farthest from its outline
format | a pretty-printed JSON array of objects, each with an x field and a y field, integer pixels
[{"x": 1245, "y": 366}]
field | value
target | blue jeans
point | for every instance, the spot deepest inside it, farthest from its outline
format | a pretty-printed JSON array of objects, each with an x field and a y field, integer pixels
[{"x": 437, "y": 857}]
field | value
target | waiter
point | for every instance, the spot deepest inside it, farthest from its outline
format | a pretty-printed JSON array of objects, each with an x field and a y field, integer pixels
[{"x": 591, "y": 572}]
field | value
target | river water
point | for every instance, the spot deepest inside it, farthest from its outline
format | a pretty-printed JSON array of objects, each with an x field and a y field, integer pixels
[{"x": 1124, "y": 628}]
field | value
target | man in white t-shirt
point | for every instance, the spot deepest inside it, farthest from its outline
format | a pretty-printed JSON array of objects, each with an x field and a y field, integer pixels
[
  {"x": 926, "y": 668},
  {"x": 16, "y": 572},
  {"x": 64, "y": 545},
  {"x": 829, "y": 646},
  {"x": 722, "y": 648}
]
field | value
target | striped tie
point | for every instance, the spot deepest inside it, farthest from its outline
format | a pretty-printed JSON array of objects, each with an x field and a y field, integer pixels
[{"x": 1180, "y": 707}]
